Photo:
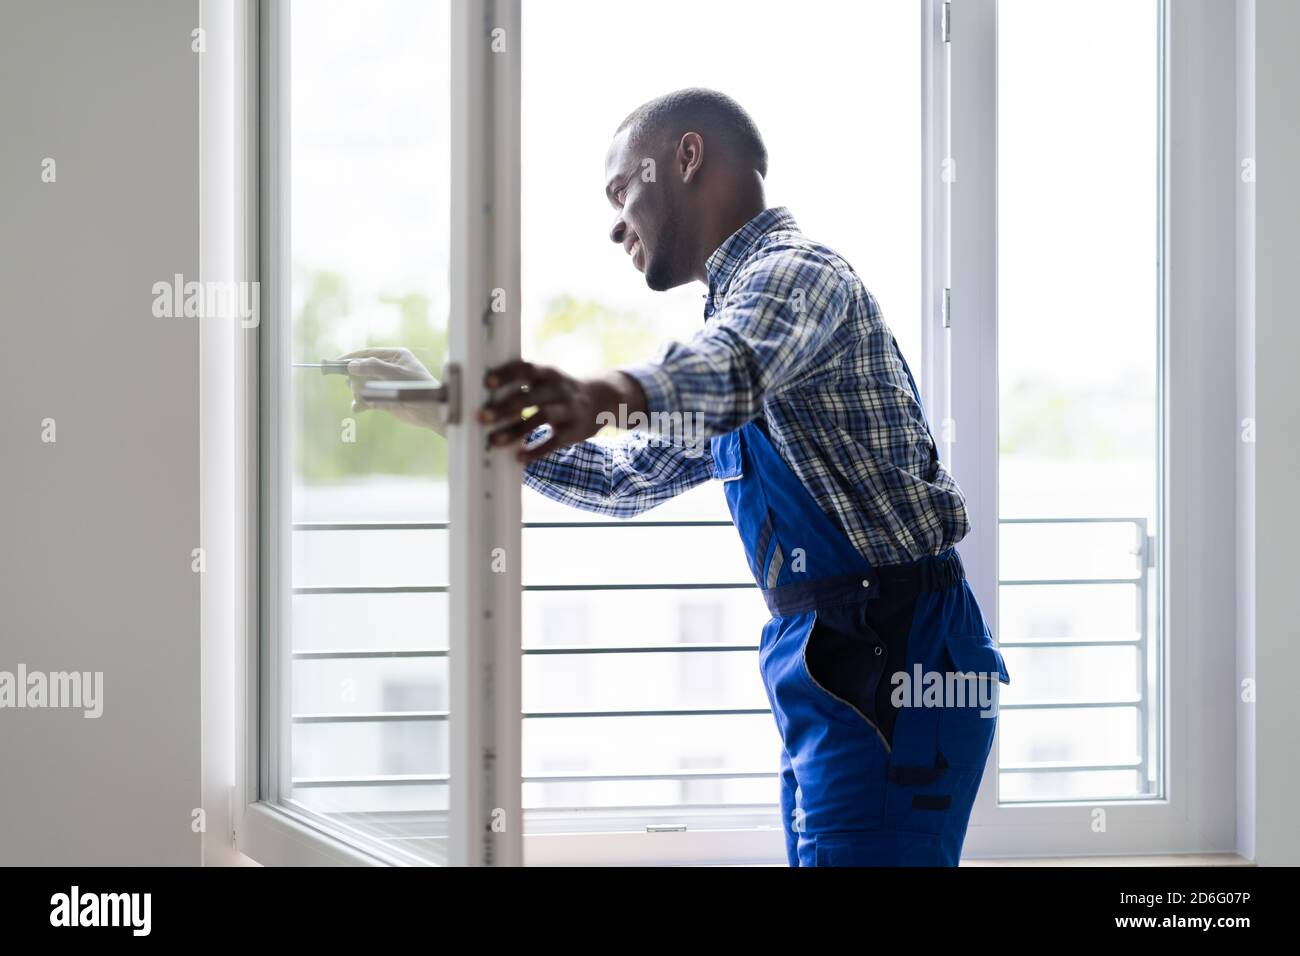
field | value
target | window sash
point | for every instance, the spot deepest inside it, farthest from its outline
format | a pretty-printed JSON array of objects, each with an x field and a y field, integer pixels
[
  {"x": 484, "y": 619},
  {"x": 1195, "y": 813}
]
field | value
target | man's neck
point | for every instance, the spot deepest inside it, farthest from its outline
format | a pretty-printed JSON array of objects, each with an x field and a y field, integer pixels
[{"x": 725, "y": 223}]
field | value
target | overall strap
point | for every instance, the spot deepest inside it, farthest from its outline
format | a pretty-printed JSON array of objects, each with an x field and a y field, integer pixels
[{"x": 798, "y": 554}]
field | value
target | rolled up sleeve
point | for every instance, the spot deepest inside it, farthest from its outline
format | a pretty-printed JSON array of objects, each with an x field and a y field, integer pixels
[{"x": 621, "y": 477}]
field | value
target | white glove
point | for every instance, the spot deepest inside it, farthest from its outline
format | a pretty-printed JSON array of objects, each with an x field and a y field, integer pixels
[{"x": 365, "y": 365}]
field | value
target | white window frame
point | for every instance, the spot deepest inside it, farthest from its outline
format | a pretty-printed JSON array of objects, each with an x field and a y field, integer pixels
[
  {"x": 245, "y": 511},
  {"x": 1197, "y": 810},
  {"x": 960, "y": 373}
]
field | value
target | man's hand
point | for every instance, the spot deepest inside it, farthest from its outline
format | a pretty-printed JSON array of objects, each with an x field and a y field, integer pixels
[
  {"x": 570, "y": 406},
  {"x": 367, "y": 365}
]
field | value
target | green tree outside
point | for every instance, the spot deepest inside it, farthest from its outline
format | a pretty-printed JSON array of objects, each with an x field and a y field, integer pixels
[{"x": 383, "y": 445}]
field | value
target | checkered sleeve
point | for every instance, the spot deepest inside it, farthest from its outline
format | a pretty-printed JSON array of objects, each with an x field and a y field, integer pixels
[{"x": 620, "y": 477}]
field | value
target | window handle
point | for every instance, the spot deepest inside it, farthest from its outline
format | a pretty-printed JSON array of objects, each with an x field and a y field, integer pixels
[{"x": 446, "y": 392}]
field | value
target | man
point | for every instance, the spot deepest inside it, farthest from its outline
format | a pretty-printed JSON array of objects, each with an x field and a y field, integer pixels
[{"x": 795, "y": 395}]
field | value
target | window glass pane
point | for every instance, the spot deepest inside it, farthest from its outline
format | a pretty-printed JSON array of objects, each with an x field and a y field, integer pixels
[
  {"x": 834, "y": 87},
  {"x": 1078, "y": 378},
  {"x": 370, "y": 195}
]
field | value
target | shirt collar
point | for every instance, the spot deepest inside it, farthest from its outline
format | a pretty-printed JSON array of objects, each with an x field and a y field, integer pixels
[{"x": 726, "y": 260}]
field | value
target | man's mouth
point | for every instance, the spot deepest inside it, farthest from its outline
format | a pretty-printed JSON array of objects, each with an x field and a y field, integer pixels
[{"x": 637, "y": 252}]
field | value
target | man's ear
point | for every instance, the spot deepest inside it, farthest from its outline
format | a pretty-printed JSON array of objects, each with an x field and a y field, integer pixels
[{"x": 690, "y": 155}]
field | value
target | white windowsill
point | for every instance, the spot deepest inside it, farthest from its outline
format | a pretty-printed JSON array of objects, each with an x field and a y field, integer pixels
[{"x": 1154, "y": 859}]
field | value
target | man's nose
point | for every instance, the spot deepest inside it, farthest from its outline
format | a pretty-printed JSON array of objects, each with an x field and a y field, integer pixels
[{"x": 619, "y": 230}]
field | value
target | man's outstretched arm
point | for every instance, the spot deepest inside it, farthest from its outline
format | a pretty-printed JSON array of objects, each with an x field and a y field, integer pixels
[{"x": 622, "y": 477}]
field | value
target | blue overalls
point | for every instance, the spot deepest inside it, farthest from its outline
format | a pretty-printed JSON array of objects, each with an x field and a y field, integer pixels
[{"x": 863, "y": 782}]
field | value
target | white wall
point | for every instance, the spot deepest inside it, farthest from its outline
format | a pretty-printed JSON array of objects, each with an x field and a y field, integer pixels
[
  {"x": 1277, "y": 451},
  {"x": 97, "y": 527}
]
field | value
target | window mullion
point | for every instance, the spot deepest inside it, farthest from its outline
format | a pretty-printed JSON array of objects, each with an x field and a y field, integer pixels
[{"x": 969, "y": 422}]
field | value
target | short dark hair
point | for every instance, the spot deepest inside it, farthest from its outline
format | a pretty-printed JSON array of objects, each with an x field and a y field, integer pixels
[{"x": 667, "y": 117}]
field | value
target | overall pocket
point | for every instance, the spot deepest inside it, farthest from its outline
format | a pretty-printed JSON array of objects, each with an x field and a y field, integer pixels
[
  {"x": 844, "y": 659},
  {"x": 967, "y": 723}
]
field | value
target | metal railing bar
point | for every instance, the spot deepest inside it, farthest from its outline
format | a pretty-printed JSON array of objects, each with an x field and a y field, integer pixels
[
  {"x": 386, "y": 716},
  {"x": 527, "y": 525},
  {"x": 426, "y": 715},
  {"x": 1072, "y": 521},
  {"x": 371, "y": 526},
  {"x": 561, "y": 777},
  {"x": 376, "y": 589},
  {"x": 684, "y": 712},
  {"x": 1077, "y": 642},
  {"x": 627, "y": 524},
  {"x": 709, "y": 586},
  {"x": 1032, "y": 582},
  {"x": 676, "y": 586},
  {"x": 1132, "y": 701},
  {"x": 568, "y": 649},
  {"x": 442, "y": 588},
  {"x": 1070, "y": 766},
  {"x": 418, "y": 715},
  {"x": 556, "y": 650},
  {"x": 347, "y": 655}
]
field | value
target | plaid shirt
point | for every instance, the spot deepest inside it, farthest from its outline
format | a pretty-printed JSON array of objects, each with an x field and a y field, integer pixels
[{"x": 793, "y": 337}]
